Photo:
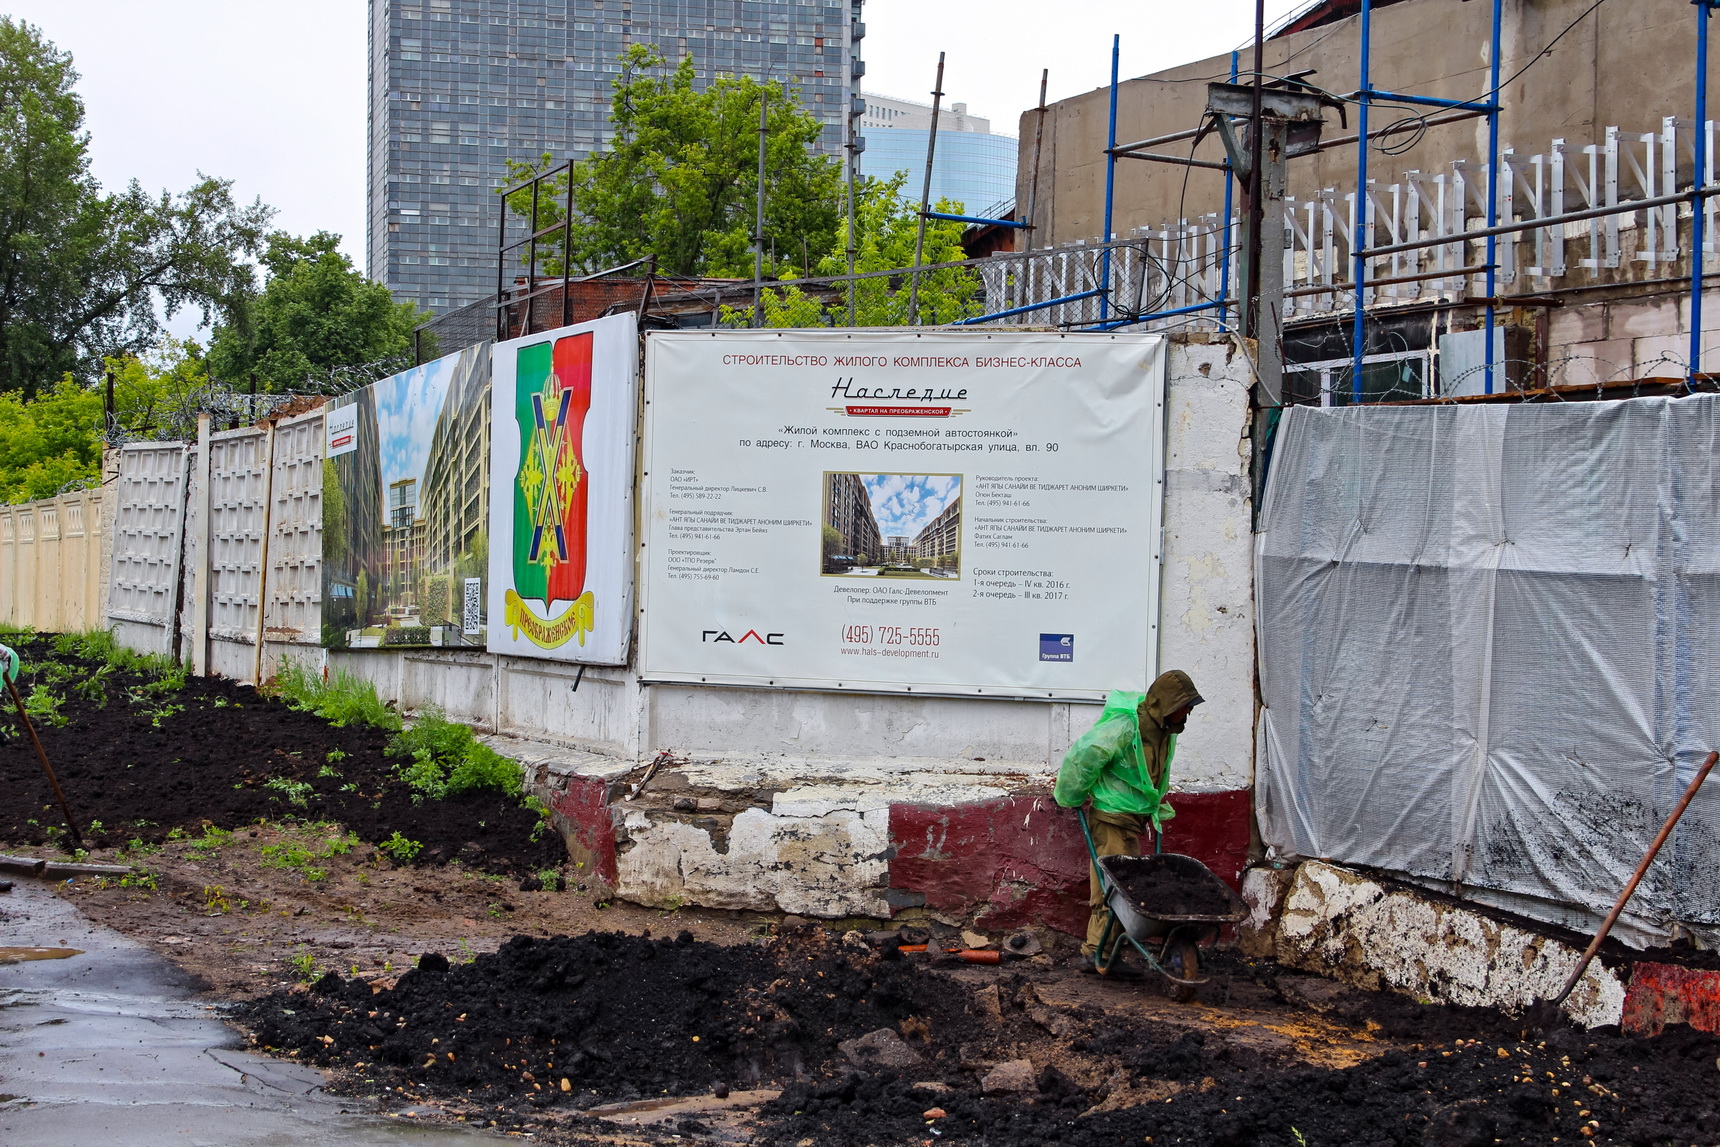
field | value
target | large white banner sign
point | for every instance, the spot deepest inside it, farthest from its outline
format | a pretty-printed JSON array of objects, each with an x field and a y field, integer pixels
[
  {"x": 563, "y": 410},
  {"x": 933, "y": 513}
]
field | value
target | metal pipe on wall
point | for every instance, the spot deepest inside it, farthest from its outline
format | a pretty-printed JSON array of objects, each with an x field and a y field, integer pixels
[
  {"x": 1358, "y": 334},
  {"x": 1224, "y": 258},
  {"x": 1698, "y": 220},
  {"x": 1110, "y": 184},
  {"x": 1492, "y": 259}
]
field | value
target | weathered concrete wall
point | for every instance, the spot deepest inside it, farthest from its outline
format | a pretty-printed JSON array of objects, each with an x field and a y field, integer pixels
[
  {"x": 1021, "y": 859},
  {"x": 1625, "y": 64},
  {"x": 1341, "y": 924},
  {"x": 1206, "y": 620}
]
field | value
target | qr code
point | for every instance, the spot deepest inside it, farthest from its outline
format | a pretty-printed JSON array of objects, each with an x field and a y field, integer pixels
[{"x": 472, "y": 615}]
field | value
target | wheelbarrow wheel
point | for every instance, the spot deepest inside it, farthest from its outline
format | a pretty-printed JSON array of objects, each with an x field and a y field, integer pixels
[{"x": 1182, "y": 960}]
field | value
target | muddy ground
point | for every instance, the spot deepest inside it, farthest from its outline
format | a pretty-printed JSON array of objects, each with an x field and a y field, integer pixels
[
  {"x": 459, "y": 988},
  {"x": 648, "y": 1015}
]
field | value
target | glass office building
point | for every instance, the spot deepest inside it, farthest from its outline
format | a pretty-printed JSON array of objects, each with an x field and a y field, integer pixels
[
  {"x": 458, "y": 87},
  {"x": 974, "y": 169}
]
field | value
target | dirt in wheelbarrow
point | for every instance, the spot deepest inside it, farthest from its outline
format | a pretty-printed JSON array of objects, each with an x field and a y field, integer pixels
[{"x": 1158, "y": 890}]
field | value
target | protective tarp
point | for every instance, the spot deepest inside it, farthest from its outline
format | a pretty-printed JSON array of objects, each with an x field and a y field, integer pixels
[{"x": 1490, "y": 647}]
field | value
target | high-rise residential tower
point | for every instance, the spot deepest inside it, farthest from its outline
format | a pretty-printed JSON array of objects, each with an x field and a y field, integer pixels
[{"x": 458, "y": 87}]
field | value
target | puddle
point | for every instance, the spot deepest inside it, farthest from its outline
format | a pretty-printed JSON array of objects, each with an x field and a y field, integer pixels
[
  {"x": 637, "y": 1106},
  {"x": 19, "y": 955}
]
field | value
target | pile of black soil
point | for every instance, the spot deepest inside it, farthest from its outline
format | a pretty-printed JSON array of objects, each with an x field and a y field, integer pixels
[
  {"x": 1572, "y": 1087},
  {"x": 1159, "y": 886},
  {"x": 141, "y": 763},
  {"x": 616, "y": 1017}
]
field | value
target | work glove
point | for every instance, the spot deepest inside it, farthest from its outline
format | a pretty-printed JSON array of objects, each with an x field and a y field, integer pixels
[{"x": 8, "y": 665}]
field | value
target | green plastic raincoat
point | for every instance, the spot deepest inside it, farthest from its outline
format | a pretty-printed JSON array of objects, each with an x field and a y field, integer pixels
[{"x": 1123, "y": 763}]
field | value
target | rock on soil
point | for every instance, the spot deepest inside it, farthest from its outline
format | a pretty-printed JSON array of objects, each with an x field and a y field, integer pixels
[
  {"x": 205, "y": 755},
  {"x": 1012, "y": 1078},
  {"x": 882, "y": 1048}
]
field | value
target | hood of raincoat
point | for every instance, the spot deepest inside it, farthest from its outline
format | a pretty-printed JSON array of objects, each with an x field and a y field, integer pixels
[{"x": 1170, "y": 692}]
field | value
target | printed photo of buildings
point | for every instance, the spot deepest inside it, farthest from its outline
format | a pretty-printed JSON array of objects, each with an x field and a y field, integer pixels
[
  {"x": 892, "y": 525},
  {"x": 405, "y": 509}
]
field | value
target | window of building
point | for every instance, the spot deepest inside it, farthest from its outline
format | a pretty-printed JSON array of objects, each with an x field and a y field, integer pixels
[{"x": 1392, "y": 377}]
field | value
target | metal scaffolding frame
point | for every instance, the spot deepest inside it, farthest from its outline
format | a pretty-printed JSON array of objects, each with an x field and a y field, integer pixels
[{"x": 1547, "y": 202}]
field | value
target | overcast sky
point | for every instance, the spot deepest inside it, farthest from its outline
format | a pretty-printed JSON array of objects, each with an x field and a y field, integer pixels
[{"x": 271, "y": 93}]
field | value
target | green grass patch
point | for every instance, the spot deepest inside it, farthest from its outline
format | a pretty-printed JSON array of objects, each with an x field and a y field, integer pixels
[
  {"x": 43, "y": 706},
  {"x": 440, "y": 758},
  {"x": 337, "y": 697},
  {"x": 399, "y": 849},
  {"x": 302, "y": 857}
]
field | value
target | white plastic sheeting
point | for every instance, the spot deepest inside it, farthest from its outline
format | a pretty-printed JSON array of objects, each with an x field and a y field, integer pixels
[{"x": 1490, "y": 647}]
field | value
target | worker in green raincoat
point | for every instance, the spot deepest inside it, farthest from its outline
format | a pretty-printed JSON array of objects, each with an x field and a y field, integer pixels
[{"x": 1122, "y": 766}]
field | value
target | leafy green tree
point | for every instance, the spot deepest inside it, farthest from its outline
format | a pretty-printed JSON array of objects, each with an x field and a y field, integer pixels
[
  {"x": 886, "y": 225},
  {"x": 315, "y": 314},
  {"x": 48, "y": 443},
  {"x": 681, "y": 176},
  {"x": 157, "y": 394},
  {"x": 85, "y": 274}
]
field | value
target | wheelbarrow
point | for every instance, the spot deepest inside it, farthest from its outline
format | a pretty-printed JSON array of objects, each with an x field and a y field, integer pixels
[{"x": 1168, "y": 941}]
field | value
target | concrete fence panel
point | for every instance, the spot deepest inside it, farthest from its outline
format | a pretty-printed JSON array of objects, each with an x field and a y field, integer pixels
[
  {"x": 51, "y": 561},
  {"x": 148, "y": 538}
]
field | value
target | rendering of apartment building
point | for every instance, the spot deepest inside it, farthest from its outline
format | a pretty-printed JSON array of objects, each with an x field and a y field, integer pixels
[
  {"x": 848, "y": 511},
  {"x": 459, "y": 87},
  {"x": 939, "y": 542}
]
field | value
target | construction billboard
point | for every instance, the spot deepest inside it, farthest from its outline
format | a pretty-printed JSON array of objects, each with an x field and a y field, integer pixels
[
  {"x": 925, "y": 512},
  {"x": 406, "y": 508},
  {"x": 561, "y": 563}
]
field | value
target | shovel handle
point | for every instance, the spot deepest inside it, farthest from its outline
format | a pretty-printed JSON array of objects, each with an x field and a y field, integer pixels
[
  {"x": 1636, "y": 877},
  {"x": 42, "y": 755}
]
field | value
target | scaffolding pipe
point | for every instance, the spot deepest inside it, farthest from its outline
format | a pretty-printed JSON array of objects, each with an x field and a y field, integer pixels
[
  {"x": 1358, "y": 333},
  {"x": 1135, "y": 320},
  {"x": 1698, "y": 224},
  {"x": 758, "y": 227},
  {"x": 1110, "y": 183},
  {"x": 925, "y": 198},
  {"x": 1256, "y": 187},
  {"x": 1025, "y": 309},
  {"x": 1492, "y": 259},
  {"x": 980, "y": 220}
]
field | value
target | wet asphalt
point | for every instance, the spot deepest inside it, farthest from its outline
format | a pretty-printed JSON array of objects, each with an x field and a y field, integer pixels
[{"x": 109, "y": 1048}]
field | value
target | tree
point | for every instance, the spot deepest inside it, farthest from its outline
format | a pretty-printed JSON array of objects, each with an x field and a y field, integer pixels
[
  {"x": 48, "y": 443},
  {"x": 85, "y": 274},
  {"x": 887, "y": 227},
  {"x": 681, "y": 178},
  {"x": 158, "y": 394},
  {"x": 315, "y": 315}
]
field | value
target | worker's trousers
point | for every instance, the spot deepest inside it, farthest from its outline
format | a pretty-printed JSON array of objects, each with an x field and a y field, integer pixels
[{"x": 1114, "y": 834}]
